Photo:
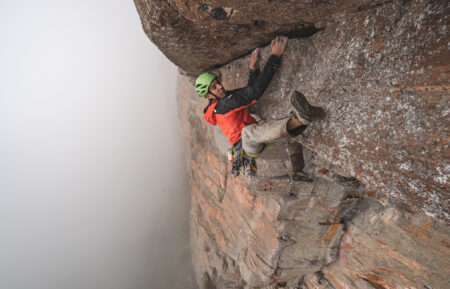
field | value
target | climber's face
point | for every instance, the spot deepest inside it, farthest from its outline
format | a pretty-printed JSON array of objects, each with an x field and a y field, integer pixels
[{"x": 216, "y": 89}]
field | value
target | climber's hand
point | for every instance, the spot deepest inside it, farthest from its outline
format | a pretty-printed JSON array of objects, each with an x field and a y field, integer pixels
[
  {"x": 254, "y": 58},
  {"x": 278, "y": 45}
]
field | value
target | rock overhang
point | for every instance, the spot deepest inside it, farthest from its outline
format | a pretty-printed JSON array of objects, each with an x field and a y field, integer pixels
[{"x": 190, "y": 37}]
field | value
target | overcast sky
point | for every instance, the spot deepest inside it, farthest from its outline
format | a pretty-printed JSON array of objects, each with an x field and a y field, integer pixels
[{"x": 93, "y": 193}]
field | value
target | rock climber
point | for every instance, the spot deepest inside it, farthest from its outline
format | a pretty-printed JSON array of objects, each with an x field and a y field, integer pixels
[{"x": 228, "y": 109}]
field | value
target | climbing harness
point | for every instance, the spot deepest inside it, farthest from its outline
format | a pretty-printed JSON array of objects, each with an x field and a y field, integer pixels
[{"x": 238, "y": 158}]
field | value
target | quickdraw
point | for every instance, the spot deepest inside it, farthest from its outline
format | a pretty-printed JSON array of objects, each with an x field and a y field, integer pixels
[{"x": 238, "y": 158}]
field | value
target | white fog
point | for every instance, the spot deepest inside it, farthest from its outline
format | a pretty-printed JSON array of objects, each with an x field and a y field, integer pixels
[{"x": 93, "y": 190}]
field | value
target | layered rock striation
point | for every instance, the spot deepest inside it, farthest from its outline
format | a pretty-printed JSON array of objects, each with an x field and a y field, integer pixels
[{"x": 377, "y": 211}]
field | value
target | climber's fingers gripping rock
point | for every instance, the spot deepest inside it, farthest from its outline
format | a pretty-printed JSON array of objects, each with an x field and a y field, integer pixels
[
  {"x": 254, "y": 58},
  {"x": 278, "y": 45}
]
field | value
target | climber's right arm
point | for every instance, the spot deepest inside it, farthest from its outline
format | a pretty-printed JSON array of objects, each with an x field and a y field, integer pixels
[
  {"x": 256, "y": 87},
  {"x": 240, "y": 98}
]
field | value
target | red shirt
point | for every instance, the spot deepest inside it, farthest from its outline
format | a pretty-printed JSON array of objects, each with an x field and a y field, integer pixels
[{"x": 231, "y": 123}]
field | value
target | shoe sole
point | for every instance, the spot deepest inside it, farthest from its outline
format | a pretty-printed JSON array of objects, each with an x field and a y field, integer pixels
[{"x": 303, "y": 109}]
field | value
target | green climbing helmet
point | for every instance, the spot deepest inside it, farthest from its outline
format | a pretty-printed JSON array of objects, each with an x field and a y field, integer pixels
[{"x": 202, "y": 83}]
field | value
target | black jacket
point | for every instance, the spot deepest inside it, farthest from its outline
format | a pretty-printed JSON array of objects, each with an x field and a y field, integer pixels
[
  {"x": 230, "y": 112},
  {"x": 257, "y": 84}
]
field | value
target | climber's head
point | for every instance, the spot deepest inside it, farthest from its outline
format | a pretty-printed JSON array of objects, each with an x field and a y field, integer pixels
[
  {"x": 216, "y": 90},
  {"x": 208, "y": 86}
]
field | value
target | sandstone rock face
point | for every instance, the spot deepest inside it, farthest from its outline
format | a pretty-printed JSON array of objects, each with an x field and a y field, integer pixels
[
  {"x": 376, "y": 214},
  {"x": 190, "y": 35}
]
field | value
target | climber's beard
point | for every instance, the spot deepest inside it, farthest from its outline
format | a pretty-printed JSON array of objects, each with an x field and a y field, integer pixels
[{"x": 221, "y": 93}]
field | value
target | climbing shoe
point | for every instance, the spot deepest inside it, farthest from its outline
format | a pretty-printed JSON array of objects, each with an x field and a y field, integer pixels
[{"x": 303, "y": 111}]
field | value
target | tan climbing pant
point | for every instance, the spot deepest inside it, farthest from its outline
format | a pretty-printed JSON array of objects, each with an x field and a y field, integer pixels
[{"x": 254, "y": 136}]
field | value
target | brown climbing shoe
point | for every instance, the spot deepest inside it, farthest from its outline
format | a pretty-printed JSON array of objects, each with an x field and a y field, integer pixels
[{"x": 303, "y": 110}]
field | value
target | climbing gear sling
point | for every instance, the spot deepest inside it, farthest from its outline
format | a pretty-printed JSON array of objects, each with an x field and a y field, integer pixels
[{"x": 238, "y": 158}]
